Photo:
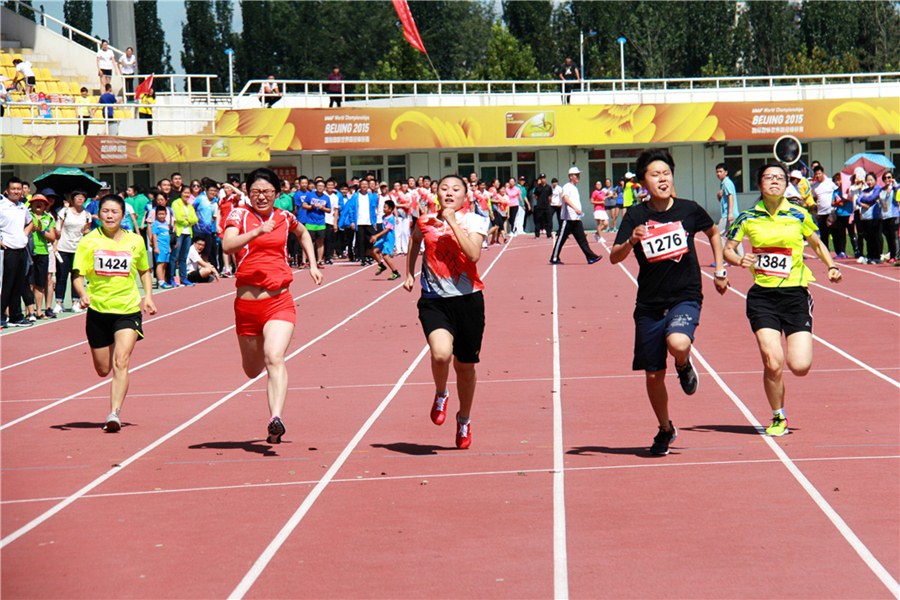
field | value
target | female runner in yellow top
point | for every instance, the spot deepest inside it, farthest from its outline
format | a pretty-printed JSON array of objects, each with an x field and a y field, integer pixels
[
  {"x": 110, "y": 259},
  {"x": 779, "y": 300}
]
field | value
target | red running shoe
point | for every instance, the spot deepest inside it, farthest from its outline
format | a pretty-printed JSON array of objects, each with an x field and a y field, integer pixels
[
  {"x": 439, "y": 408},
  {"x": 463, "y": 433}
]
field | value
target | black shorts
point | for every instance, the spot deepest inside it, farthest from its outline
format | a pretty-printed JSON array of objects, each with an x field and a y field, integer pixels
[
  {"x": 653, "y": 327},
  {"x": 787, "y": 309},
  {"x": 30, "y": 81},
  {"x": 194, "y": 277},
  {"x": 40, "y": 265},
  {"x": 498, "y": 221},
  {"x": 462, "y": 316},
  {"x": 316, "y": 234},
  {"x": 101, "y": 327},
  {"x": 106, "y": 72}
]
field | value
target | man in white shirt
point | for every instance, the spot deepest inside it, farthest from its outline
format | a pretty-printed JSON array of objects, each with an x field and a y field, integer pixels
[
  {"x": 571, "y": 221},
  {"x": 823, "y": 192},
  {"x": 15, "y": 227}
]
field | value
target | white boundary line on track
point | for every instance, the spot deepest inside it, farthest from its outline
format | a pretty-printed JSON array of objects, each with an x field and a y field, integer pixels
[
  {"x": 363, "y": 386},
  {"x": 855, "y": 268},
  {"x": 154, "y": 319},
  {"x": 842, "y": 294},
  {"x": 269, "y": 553},
  {"x": 107, "y": 380},
  {"x": 273, "y": 484},
  {"x": 75, "y": 345},
  {"x": 858, "y": 546},
  {"x": 152, "y": 446},
  {"x": 560, "y": 553},
  {"x": 830, "y": 346}
]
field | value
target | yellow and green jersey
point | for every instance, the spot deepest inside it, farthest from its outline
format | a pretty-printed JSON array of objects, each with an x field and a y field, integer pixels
[
  {"x": 111, "y": 270},
  {"x": 777, "y": 242}
]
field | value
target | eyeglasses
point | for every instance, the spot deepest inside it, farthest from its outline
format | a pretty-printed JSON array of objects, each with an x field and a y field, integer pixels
[
  {"x": 778, "y": 178},
  {"x": 196, "y": 185},
  {"x": 268, "y": 193}
]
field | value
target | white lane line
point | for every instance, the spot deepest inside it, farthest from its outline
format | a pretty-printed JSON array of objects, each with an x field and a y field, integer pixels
[
  {"x": 366, "y": 386},
  {"x": 148, "y": 321},
  {"x": 517, "y": 472},
  {"x": 560, "y": 552},
  {"x": 147, "y": 449},
  {"x": 842, "y": 294},
  {"x": 831, "y": 346},
  {"x": 269, "y": 553},
  {"x": 852, "y": 267},
  {"x": 855, "y": 299},
  {"x": 858, "y": 546},
  {"x": 151, "y": 362}
]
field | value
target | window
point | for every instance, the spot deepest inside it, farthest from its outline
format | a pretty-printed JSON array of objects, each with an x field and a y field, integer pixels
[
  {"x": 504, "y": 157},
  {"x": 734, "y": 160},
  {"x": 596, "y": 167},
  {"x": 388, "y": 168}
]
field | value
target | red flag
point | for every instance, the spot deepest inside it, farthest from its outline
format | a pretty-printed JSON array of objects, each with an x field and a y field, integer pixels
[
  {"x": 142, "y": 89},
  {"x": 410, "y": 31}
]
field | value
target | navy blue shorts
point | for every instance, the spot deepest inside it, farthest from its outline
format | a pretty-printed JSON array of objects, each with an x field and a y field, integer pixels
[{"x": 652, "y": 327}]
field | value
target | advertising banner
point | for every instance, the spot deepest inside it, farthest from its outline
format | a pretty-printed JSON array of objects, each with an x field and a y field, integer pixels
[
  {"x": 105, "y": 150},
  {"x": 570, "y": 125}
]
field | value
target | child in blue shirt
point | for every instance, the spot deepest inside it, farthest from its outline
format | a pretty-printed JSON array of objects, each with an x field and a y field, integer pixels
[
  {"x": 160, "y": 241},
  {"x": 383, "y": 243}
]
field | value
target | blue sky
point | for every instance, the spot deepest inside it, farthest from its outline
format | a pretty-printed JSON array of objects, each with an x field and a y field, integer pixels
[{"x": 171, "y": 14}]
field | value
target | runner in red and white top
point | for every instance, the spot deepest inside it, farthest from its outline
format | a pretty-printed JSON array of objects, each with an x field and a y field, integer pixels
[
  {"x": 263, "y": 308},
  {"x": 451, "y": 308}
]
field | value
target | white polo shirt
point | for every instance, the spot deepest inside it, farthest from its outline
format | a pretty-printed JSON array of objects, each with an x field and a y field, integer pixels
[
  {"x": 13, "y": 219},
  {"x": 570, "y": 190}
]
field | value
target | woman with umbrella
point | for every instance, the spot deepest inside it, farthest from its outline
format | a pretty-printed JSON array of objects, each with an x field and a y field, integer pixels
[{"x": 111, "y": 259}]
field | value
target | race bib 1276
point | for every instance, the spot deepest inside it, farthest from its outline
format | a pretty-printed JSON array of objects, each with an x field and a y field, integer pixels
[{"x": 664, "y": 241}]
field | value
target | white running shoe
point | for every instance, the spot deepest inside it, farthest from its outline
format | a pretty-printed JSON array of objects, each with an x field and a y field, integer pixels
[
  {"x": 58, "y": 308},
  {"x": 76, "y": 306}
]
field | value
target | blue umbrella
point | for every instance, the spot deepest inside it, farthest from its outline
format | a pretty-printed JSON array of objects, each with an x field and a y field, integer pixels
[
  {"x": 876, "y": 159},
  {"x": 68, "y": 179}
]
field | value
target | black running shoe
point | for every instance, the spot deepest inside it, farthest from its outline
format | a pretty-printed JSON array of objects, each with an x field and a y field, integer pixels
[
  {"x": 276, "y": 430},
  {"x": 688, "y": 378},
  {"x": 662, "y": 440}
]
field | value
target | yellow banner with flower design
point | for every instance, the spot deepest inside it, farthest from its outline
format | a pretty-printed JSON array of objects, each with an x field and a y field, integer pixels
[
  {"x": 97, "y": 150},
  {"x": 251, "y": 135},
  {"x": 570, "y": 125}
]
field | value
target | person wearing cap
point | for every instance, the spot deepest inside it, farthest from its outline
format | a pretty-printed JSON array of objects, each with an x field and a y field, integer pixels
[
  {"x": 571, "y": 221},
  {"x": 543, "y": 215},
  {"x": 526, "y": 199},
  {"x": 43, "y": 235},
  {"x": 661, "y": 233},
  {"x": 628, "y": 195},
  {"x": 804, "y": 190}
]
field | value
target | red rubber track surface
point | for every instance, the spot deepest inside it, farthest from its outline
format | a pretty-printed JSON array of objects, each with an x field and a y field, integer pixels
[{"x": 407, "y": 515}]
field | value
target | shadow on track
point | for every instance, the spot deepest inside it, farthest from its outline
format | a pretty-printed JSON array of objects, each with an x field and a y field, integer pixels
[
  {"x": 643, "y": 452},
  {"x": 253, "y": 446},
  {"x": 84, "y": 425},
  {"x": 740, "y": 429},
  {"x": 412, "y": 449}
]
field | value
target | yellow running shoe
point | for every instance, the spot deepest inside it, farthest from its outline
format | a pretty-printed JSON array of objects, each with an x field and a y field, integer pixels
[{"x": 778, "y": 428}]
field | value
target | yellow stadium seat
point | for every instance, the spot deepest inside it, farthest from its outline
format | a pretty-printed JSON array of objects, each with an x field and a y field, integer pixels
[
  {"x": 41, "y": 87},
  {"x": 52, "y": 87},
  {"x": 43, "y": 73},
  {"x": 17, "y": 56},
  {"x": 5, "y": 59}
]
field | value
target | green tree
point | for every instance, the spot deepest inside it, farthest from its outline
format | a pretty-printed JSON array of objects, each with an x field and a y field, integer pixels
[
  {"x": 879, "y": 35},
  {"x": 531, "y": 22},
  {"x": 817, "y": 61},
  {"x": 26, "y": 11},
  {"x": 506, "y": 58},
  {"x": 153, "y": 53},
  {"x": 204, "y": 49},
  {"x": 80, "y": 15},
  {"x": 402, "y": 62},
  {"x": 457, "y": 55},
  {"x": 773, "y": 35}
]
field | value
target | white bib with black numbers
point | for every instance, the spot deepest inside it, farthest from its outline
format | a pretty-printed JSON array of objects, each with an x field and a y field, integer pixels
[
  {"x": 665, "y": 241},
  {"x": 112, "y": 263},
  {"x": 775, "y": 262}
]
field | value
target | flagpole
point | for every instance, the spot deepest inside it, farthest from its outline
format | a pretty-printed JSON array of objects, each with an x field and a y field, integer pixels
[{"x": 433, "y": 68}]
